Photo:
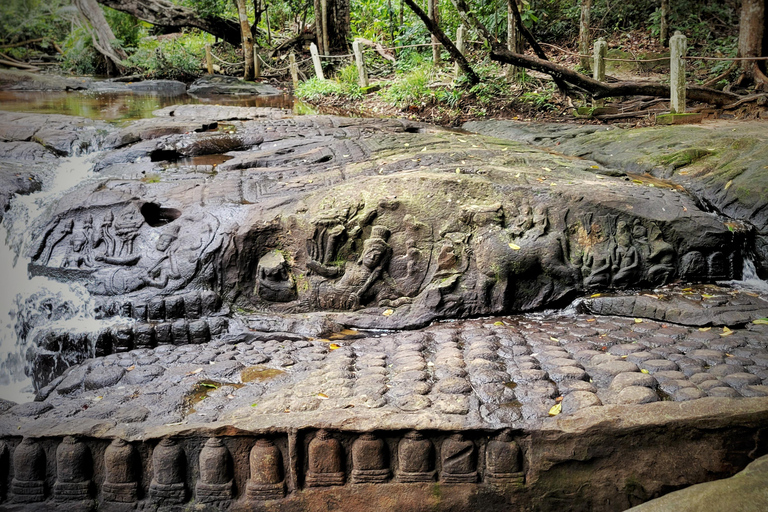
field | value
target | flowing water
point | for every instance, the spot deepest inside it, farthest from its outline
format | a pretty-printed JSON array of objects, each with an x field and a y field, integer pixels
[{"x": 30, "y": 307}]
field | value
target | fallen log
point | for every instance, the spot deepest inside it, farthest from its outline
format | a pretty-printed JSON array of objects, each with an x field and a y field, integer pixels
[
  {"x": 167, "y": 14},
  {"x": 18, "y": 65},
  {"x": 603, "y": 90}
]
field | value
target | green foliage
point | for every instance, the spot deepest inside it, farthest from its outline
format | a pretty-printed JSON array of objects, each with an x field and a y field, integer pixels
[
  {"x": 411, "y": 88},
  {"x": 175, "y": 58},
  {"x": 343, "y": 86},
  {"x": 542, "y": 99},
  {"x": 314, "y": 89},
  {"x": 127, "y": 29},
  {"x": 21, "y": 20},
  {"x": 79, "y": 55}
]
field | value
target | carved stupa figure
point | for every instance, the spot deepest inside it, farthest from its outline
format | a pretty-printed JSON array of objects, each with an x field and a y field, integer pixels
[{"x": 266, "y": 482}]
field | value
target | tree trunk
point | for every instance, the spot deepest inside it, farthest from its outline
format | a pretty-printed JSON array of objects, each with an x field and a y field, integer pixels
[
  {"x": 102, "y": 33},
  {"x": 584, "y": 42},
  {"x": 664, "y": 23},
  {"x": 319, "y": 26},
  {"x": 514, "y": 39},
  {"x": 446, "y": 41},
  {"x": 164, "y": 13},
  {"x": 752, "y": 27},
  {"x": 339, "y": 29},
  {"x": 245, "y": 31},
  {"x": 434, "y": 15}
]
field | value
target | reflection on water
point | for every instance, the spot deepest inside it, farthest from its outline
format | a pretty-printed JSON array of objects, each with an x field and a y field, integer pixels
[{"x": 127, "y": 106}]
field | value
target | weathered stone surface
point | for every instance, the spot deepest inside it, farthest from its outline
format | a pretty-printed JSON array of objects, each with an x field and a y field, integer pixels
[{"x": 746, "y": 491}]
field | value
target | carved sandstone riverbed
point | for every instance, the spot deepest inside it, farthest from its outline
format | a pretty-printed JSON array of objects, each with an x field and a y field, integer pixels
[{"x": 318, "y": 224}]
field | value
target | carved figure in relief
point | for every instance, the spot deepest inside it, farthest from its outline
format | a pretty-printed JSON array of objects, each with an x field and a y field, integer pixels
[
  {"x": 358, "y": 282},
  {"x": 625, "y": 262},
  {"x": 459, "y": 460},
  {"x": 153, "y": 272},
  {"x": 417, "y": 458},
  {"x": 56, "y": 233},
  {"x": 127, "y": 228},
  {"x": 661, "y": 259},
  {"x": 79, "y": 251},
  {"x": 369, "y": 460},
  {"x": 104, "y": 235},
  {"x": 28, "y": 484},
  {"x": 215, "y": 483},
  {"x": 503, "y": 464},
  {"x": 275, "y": 283}
]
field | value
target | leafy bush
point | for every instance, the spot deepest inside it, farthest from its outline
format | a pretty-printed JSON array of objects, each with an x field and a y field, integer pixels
[
  {"x": 80, "y": 57},
  {"x": 411, "y": 88},
  {"x": 314, "y": 89},
  {"x": 21, "y": 20},
  {"x": 175, "y": 58}
]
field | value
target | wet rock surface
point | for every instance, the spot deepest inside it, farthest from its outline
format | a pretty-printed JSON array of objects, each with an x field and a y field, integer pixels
[
  {"x": 722, "y": 164},
  {"x": 247, "y": 260}
]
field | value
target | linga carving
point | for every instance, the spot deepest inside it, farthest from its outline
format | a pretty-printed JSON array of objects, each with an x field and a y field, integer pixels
[
  {"x": 73, "y": 471},
  {"x": 459, "y": 460},
  {"x": 369, "y": 460},
  {"x": 503, "y": 460},
  {"x": 216, "y": 482},
  {"x": 28, "y": 484},
  {"x": 266, "y": 481},
  {"x": 416, "y": 455},
  {"x": 168, "y": 473},
  {"x": 326, "y": 461},
  {"x": 121, "y": 468}
]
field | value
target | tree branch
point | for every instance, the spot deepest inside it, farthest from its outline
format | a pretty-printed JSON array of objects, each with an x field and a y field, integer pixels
[
  {"x": 602, "y": 90},
  {"x": 457, "y": 56}
]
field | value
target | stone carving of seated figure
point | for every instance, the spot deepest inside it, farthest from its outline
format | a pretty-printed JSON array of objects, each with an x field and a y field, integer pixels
[
  {"x": 360, "y": 282},
  {"x": 274, "y": 281}
]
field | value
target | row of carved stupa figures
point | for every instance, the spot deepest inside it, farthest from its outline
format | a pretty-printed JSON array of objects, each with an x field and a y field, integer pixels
[{"x": 326, "y": 463}]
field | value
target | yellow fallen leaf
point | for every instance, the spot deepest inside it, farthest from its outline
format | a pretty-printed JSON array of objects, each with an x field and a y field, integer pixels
[
  {"x": 322, "y": 396},
  {"x": 643, "y": 370},
  {"x": 388, "y": 312},
  {"x": 425, "y": 148},
  {"x": 638, "y": 320},
  {"x": 595, "y": 295},
  {"x": 498, "y": 323},
  {"x": 726, "y": 332},
  {"x": 334, "y": 346},
  {"x": 547, "y": 169},
  {"x": 195, "y": 372},
  {"x": 514, "y": 247},
  {"x": 461, "y": 140},
  {"x": 556, "y": 409},
  {"x": 706, "y": 296},
  {"x": 704, "y": 329},
  {"x": 595, "y": 166},
  {"x": 553, "y": 184},
  {"x": 591, "y": 320},
  {"x": 406, "y": 144},
  {"x": 760, "y": 321},
  {"x": 504, "y": 149},
  {"x": 552, "y": 338},
  {"x": 728, "y": 185}
]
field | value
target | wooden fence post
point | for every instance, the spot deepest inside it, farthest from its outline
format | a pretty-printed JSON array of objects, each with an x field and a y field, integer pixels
[
  {"x": 460, "y": 47},
  {"x": 362, "y": 73},
  {"x": 677, "y": 47},
  {"x": 208, "y": 58},
  {"x": 256, "y": 63},
  {"x": 598, "y": 67},
  {"x": 294, "y": 70},
  {"x": 316, "y": 61}
]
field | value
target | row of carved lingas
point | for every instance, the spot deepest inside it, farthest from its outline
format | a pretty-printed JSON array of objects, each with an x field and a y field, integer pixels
[
  {"x": 180, "y": 332},
  {"x": 325, "y": 459},
  {"x": 190, "y": 306}
]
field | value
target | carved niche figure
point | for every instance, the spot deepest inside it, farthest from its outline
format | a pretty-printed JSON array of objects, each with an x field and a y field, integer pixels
[
  {"x": 417, "y": 458},
  {"x": 73, "y": 465},
  {"x": 104, "y": 235},
  {"x": 358, "y": 282},
  {"x": 459, "y": 460},
  {"x": 274, "y": 281},
  {"x": 502, "y": 456},
  {"x": 693, "y": 266},
  {"x": 266, "y": 481},
  {"x": 168, "y": 473},
  {"x": 120, "y": 465},
  {"x": 28, "y": 485},
  {"x": 215, "y": 483},
  {"x": 625, "y": 262},
  {"x": 369, "y": 460},
  {"x": 326, "y": 461},
  {"x": 661, "y": 258},
  {"x": 56, "y": 234}
]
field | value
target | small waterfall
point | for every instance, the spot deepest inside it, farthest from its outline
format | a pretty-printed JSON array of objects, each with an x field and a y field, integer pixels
[
  {"x": 29, "y": 308},
  {"x": 750, "y": 279}
]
